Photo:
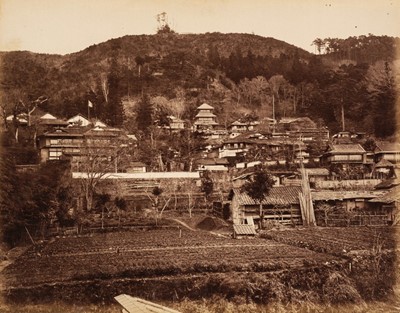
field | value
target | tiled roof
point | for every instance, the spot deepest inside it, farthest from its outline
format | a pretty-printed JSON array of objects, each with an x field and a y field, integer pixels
[
  {"x": 285, "y": 120},
  {"x": 214, "y": 161},
  {"x": 388, "y": 183},
  {"x": 205, "y": 106},
  {"x": 65, "y": 132},
  {"x": 239, "y": 123},
  {"x": 205, "y": 114},
  {"x": 48, "y": 116},
  {"x": 282, "y": 195},
  {"x": 53, "y": 121},
  {"x": 244, "y": 229},
  {"x": 205, "y": 123},
  {"x": 345, "y": 194},
  {"x": 317, "y": 171},
  {"x": 104, "y": 132},
  {"x": 175, "y": 119},
  {"x": 387, "y": 146},
  {"x": 391, "y": 196},
  {"x": 79, "y": 119},
  {"x": 137, "y": 164},
  {"x": 384, "y": 163},
  {"x": 239, "y": 139},
  {"x": 347, "y": 148}
]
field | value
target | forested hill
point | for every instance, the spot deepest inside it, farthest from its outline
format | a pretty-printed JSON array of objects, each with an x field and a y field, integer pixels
[{"x": 236, "y": 73}]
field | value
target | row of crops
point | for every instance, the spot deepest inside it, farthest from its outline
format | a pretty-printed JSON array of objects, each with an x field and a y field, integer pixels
[
  {"x": 335, "y": 240},
  {"x": 154, "y": 253}
]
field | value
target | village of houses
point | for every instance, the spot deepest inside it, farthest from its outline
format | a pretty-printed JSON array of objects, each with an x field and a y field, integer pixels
[{"x": 348, "y": 185}]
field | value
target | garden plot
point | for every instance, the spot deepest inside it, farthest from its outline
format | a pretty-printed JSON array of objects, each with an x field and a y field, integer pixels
[
  {"x": 337, "y": 240},
  {"x": 153, "y": 253}
]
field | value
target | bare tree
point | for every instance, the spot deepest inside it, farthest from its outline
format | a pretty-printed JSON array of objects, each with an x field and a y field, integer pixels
[
  {"x": 159, "y": 201},
  {"x": 104, "y": 86},
  {"x": 30, "y": 106},
  {"x": 99, "y": 158},
  {"x": 326, "y": 209}
]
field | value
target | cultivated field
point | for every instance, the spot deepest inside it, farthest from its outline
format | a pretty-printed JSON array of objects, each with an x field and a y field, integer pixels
[
  {"x": 333, "y": 265},
  {"x": 149, "y": 253},
  {"x": 338, "y": 240}
]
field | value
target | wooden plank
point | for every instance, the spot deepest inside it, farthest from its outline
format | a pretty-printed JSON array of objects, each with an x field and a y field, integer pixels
[{"x": 133, "y": 305}]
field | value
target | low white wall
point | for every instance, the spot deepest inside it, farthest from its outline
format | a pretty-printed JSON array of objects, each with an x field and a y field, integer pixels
[
  {"x": 147, "y": 175},
  {"x": 347, "y": 184}
]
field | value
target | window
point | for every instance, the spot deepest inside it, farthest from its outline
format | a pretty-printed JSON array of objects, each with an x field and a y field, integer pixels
[
  {"x": 55, "y": 154},
  {"x": 355, "y": 157}
]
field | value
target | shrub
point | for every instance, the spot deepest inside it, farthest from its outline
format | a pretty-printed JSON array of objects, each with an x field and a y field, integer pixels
[{"x": 340, "y": 289}]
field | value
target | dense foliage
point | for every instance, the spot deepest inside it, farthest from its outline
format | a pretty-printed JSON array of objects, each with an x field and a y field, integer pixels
[
  {"x": 259, "y": 184},
  {"x": 233, "y": 72},
  {"x": 31, "y": 201}
]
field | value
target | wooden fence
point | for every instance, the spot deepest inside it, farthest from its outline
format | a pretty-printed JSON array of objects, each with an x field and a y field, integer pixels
[{"x": 356, "y": 220}]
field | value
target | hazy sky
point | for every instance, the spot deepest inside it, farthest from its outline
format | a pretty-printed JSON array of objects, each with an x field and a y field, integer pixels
[{"x": 65, "y": 26}]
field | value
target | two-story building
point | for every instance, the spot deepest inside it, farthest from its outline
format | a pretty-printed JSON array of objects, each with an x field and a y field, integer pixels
[
  {"x": 344, "y": 154},
  {"x": 389, "y": 151},
  {"x": 77, "y": 143},
  {"x": 238, "y": 126},
  {"x": 235, "y": 146},
  {"x": 53, "y": 145},
  {"x": 175, "y": 123}
]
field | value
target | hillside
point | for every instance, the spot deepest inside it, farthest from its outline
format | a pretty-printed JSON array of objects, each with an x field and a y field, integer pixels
[{"x": 233, "y": 72}]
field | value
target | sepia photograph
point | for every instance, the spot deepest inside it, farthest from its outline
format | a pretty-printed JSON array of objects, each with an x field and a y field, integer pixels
[{"x": 196, "y": 156}]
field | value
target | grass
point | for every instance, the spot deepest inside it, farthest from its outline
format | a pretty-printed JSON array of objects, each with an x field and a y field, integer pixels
[{"x": 213, "y": 305}]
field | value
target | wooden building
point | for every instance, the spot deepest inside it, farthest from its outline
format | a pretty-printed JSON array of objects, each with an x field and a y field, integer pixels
[
  {"x": 347, "y": 207},
  {"x": 205, "y": 118},
  {"x": 344, "y": 154},
  {"x": 389, "y": 204},
  {"x": 281, "y": 204}
]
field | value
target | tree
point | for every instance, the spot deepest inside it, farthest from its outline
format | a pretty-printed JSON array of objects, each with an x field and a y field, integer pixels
[
  {"x": 213, "y": 56},
  {"x": 258, "y": 186},
  {"x": 139, "y": 62},
  {"x": 144, "y": 115},
  {"x": 163, "y": 26},
  {"x": 115, "y": 111},
  {"x": 325, "y": 208},
  {"x": 99, "y": 157},
  {"x": 369, "y": 145},
  {"x": 319, "y": 44},
  {"x": 121, "y": 204},
  {"x": 382, "y": 96},
  {"x": 156, "y": 197},
  {"x": 188, "y": 145},
  {"x": 31, "y": 200},
  {"x": 207, "y": 186},
  {"x": 101, "y": 202}
]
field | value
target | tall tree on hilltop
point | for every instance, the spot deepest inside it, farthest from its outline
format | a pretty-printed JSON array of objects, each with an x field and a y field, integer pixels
[{"x": 319, "y": 44}]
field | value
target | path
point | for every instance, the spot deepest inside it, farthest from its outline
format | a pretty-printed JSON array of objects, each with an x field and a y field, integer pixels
[{"x": 182, "y": 223}]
